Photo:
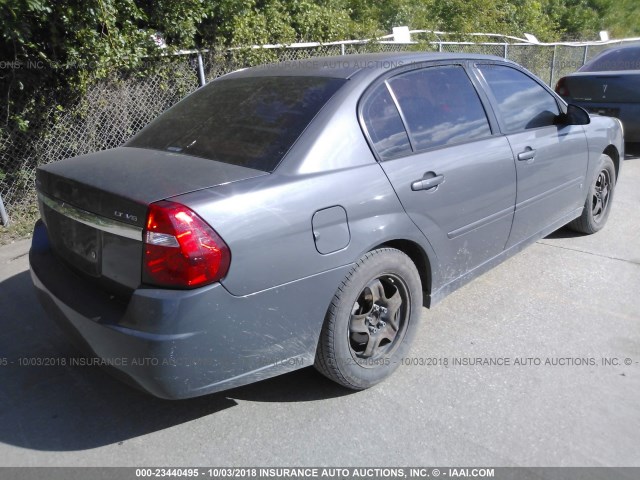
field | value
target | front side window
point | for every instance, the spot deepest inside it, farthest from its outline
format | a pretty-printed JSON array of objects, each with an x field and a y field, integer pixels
[
  {"x": 522, "y": 103},
  {"x": 440, "y": 106},
  {"x": 251, "y": 122}
]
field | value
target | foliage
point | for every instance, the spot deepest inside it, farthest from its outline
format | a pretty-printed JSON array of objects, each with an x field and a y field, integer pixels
[
  {"x": 55, "y": 49},
  {"x": 580, "y": 19},
  {"x": 622, "y": 21}
]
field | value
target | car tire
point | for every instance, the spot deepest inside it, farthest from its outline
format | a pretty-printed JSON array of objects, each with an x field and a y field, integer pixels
[
  {"x": 371, "y": 321},
  {"x": 598, "y": 204}
]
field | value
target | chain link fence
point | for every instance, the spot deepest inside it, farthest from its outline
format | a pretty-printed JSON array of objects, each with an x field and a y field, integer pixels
[
  {"x": 116, "y": 108},
  {"x": 111, "y": 112}
]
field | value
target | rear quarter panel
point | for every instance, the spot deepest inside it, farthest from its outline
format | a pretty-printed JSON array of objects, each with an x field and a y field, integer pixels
[
  {"x": 602, "y": 134},
  {"x": 267, "y": 221}
]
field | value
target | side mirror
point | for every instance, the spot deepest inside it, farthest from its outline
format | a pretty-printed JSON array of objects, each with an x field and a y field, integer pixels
[{"x": 575, "y": 115}]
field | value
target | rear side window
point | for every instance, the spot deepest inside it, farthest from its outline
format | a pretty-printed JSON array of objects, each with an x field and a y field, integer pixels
[
  {"x": 614, "y": 60},
  {"x": 251, "y": 122},
  {"x": 522, "y": 102},
  {"x": 384, "y": 125},
  {"x": 440, "y": 106}
]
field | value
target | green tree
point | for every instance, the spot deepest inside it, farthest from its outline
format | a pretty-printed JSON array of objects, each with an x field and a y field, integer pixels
[
  {"x": 579, "y": 19},
  {"x": 93, "y": 38},
  {"x": 621, "y": 18}
]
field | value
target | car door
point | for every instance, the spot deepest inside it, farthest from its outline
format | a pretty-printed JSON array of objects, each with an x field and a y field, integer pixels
[
  {"x": 455, "y": 179},
  {"x": 551, "y": 160}
]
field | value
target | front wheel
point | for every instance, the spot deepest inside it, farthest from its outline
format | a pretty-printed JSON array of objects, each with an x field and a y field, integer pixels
[
  {"x": 371, "y": 320},
  {"x": 598, "y": 203}
]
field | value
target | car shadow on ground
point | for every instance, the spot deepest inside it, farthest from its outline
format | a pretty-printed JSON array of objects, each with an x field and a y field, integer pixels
[
  {"x": 564, "y": 232},
  {"x": 63, "y": 408},
  {"x": 632, "y": 151}
]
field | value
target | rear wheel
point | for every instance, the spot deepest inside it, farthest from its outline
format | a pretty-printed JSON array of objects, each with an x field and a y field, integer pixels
[
  {"x": 371, "y": 321},
  {"x": 598, "y": 203}
]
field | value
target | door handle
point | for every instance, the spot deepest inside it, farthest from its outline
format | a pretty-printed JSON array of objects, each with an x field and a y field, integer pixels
[
  {"x": 427, "y": 183},
  {"x": 528, "y": 154}
]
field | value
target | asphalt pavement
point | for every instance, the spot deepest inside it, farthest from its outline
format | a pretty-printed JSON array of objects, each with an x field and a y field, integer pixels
[{"x": 560, "y": 324}]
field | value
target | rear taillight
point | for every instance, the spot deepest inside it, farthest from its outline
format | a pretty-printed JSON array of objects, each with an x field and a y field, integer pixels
[
  {"x": 561, "y": 87},
  {"x": 180, "y": 249}
]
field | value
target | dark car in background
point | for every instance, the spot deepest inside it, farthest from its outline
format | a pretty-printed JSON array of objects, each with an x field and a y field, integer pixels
[
  {"x": 609, "y": 84},
  {"x": 303, "y": 213}
]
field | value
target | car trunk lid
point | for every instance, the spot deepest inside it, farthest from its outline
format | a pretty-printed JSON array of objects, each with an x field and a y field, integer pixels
[
  {"x": 95, "y": 205},
  {"x": 604, "y": 87}
]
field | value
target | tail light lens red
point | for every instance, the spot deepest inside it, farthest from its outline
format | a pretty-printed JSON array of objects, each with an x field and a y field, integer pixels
[
  {"x": 561, "y": 87},
  {"x": 181, "y": 250}
]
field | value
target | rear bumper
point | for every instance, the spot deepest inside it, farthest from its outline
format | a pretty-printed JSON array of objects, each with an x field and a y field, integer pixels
[
  {"x": 628, "y": 113},
  {"x": 180, "y": 344}
]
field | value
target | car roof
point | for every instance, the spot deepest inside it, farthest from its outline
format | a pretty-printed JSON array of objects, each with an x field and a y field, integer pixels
[
  {"x": 635, "y": 44},
  {"x": 603, "y": 53},
  {"x": 346, "y": 66},
  {"x": 611, "y": 48}
]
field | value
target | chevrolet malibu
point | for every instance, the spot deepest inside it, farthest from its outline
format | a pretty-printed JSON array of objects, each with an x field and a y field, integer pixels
[{"x": 303, "y": 214}]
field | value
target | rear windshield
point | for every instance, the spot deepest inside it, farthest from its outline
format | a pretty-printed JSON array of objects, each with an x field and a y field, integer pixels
[
  {"x": 614, "y": 60},
  {"x": 251, "y": 122}
]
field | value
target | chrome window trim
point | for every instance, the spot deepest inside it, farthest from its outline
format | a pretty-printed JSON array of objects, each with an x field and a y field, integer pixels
[{"x": 92, "y": 220}]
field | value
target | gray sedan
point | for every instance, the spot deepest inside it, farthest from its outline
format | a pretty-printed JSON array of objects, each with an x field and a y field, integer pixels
[{"x": 303, "y": 213}]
